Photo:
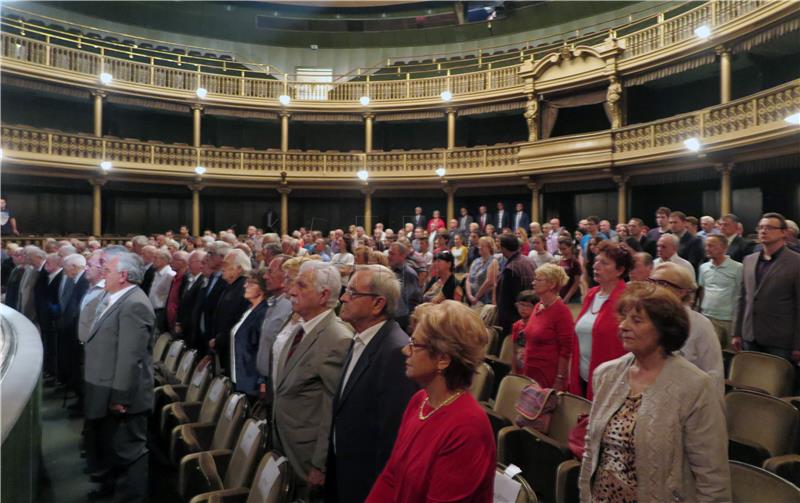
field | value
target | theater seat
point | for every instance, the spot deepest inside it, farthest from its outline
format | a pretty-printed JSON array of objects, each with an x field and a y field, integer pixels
[
  {"x": 170, "y": 363},
  {"x": 488, "y": 314},
  {"x": 786, "y": 466},
  {"x": 183, "y": 371},
  {"x": 750, "y": 483},
  {"x": 219, "y": 469},
  {"x": 525, "y": 494},
  {"x": 762, "y": 372},
  {"x": 192, "y": 391},
  {"x": 482, "y": 382},
  {"x": 206, "y": 411},
  {"x": 272, "y": 484},
  {"x": 503, "y": 412},
  {"x": 759, "y": 426},
  {"x": 206, "y": 436},
  {"x": 160, "y": 346}
]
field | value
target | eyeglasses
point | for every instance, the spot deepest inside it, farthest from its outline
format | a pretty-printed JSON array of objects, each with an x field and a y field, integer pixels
[
  {"x": 769, "y": 228},
  {"x": 352, "y": 293},
  {"x": 665, "y": 283},
  {"x": 415, "y": 346}
]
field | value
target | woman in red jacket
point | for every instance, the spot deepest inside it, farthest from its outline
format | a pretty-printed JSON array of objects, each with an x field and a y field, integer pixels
[
  {"x": 596, "y": 340},
  {"x": 436, "y": 223}
]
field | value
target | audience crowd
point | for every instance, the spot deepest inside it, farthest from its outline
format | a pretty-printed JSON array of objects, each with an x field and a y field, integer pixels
[{"x": 363, "y": 345}]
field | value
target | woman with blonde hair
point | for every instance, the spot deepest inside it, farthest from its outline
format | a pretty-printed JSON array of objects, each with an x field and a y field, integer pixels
[
  {"x": 482, "y": 276},
  {"x": 445, "y": 449},
  {"x": 524, "y": 245},
  {"x": 376, "y": 257}
]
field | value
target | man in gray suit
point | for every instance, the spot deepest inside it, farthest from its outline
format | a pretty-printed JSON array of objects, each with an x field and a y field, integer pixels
[
  {"x": 279, "y": 311},
  {"x": 119, "y": 376},
  {"x": 34, "y": 266},
  {"x": 308, "y": 374},
  {"x": 768, "y": 315}
]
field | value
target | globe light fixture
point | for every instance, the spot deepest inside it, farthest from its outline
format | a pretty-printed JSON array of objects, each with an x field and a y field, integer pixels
[
  {"x": 693, "y": 144},
  {"x": 793, "y": 119},
  {"x": 105, "y": 165},
  {"x": 284, "y": 99},
  {"x": 446, "y": 96},
  {"x": 199, "y": 170},
  {"x": 201, "y": 92},
  {"x": 440, "y": 171},
  {"x": 703, "y": 32},
  {"x": 363, "y": 174},
  {"x": 364, "y": 100},
  {"x": 106, "y": 78}
]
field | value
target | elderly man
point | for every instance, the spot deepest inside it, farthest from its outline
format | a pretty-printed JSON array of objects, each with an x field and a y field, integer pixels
[
  {"x": 12, "y": 296},
  {"x": 707, "y": 227},
  {"x": 185, "y": 324},
  {"x": 517, "y": 275},
  {"x": 419, "y": 219},
  {"x": 373, "y": 390},
  {"x": 720, "y": 279},
  {"x": 72, "y": 290},
  {"x": 464, "y": 221},
  {"x": 179, "y": 264},
  {"x": 642, "y": 266},
  {"x": 147, "y": 253},
  {"x": 231, "y": 306},
  {"x": 690, "y": 247},
  {"x": 163, "y": 276},
  {"x": 410, "y": 291},
  {"x": 34, "y": 268},
  {"x": 279, "y": 311},
  {"x": 738, "y": 247},
  {"x": 45, "y": 293},
  {"x": 119, "y": 377},
  {"x": 214, "y": 287},
  {"x": 668, "y": 252},
  {"x": 308, "y": 374}
]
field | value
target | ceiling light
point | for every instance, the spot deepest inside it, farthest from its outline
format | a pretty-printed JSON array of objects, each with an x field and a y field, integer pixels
[
  {"x": 364, "y": 100},
  {"x": 1, "y": 153},
  {"x": 703, "y": 32},
  {"x": 446, "y": 95},
  {"x": 440, "y": 171},
  {"x": 363, "y": 174},
  {"x": 793, "y": 119},
  {"x": 106, "y": 78},
  {"x": 201, "y": 92},
  {"x": 692, "y": 144},
  {"x": 284, "y": 99},
  {"x": 199, "y": 170},
  {"x": 105, "y": 165}
]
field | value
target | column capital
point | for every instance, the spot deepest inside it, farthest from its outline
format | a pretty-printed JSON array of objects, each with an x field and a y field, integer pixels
[
  {"x": 196, "y": 186},
  {"x": 367, "y": 190},
  {"x": 197, "y": 106},
  {"x": 449, "y": 189},
  {"x": 98, "y": 92},
  {"x": 723, "y": 168},
  {"x": 284, "y": 190},
  {"x": 284, "y": 113},
  {"x": 722, "y": 49},
  {"x": 368, "y": 115},
  {"x": 532, "y": 186},
  {"x": 451, "y": 110},
  {"x": 620, "y": 180},
  {"x": 97, "y": 181}
]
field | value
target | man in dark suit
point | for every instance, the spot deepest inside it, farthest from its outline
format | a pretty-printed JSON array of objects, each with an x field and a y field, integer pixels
[
  {"x": 193, "y": 286},
  {"x": 119, "y": 377},
  {"x": 419, "y": 220},
  {"x": 148, "y": 255},
  {"x": 410, "y": 291},
  {"x": 768, "y": 314},
  {"x": 521, "y": 219},
  {"x": 738, "y": 247},
  {"x": 483, "y": 219},
  {"x": 690, "y": 247},
  {"x": 74, "y": 286},
  {"x": 636, "y": 230},
  {"x": 14, "y": 282},
  {"x": 463, "y": 222},
  {"x": 373, "y": 391},
  {"x": 45, "y": 293},
  {"x": 502, "y": 219},
  {"x": 517, "y": 275},
  {"x": 231, "y": 306},
  {"x": 208, "y": 298}
]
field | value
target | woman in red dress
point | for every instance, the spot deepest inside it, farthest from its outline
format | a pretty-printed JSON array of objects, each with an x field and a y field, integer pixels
[
  {"x": 445, "y": 449},
  {"x": 549, "y": 332},
  {"x": 436, "y": 223}
]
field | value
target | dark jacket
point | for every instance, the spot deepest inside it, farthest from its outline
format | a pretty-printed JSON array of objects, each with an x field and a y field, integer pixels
[
  {"x": 206, "y": 307},
  {"x": 691, "y": 248},
  {"x": 12, "y": 287},
  {"x": 739, "y": 248},
  {"x": 366, "y": 416},
  {"x": 515, "y": 277},
  {"x": 186, "y": 312},
  {"x": 147, "y": 280},
  {"x": 246, "y": 349},
  {"x": 228, "y": 312}
]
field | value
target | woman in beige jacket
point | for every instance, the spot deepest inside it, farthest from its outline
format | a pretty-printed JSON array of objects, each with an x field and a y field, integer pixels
[{"x": 657, "y": 427}]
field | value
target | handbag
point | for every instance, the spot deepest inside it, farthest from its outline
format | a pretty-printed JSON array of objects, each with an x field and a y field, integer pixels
[
  {"x": 577, "y": 436},
  {"x": 535, "y": 407}
]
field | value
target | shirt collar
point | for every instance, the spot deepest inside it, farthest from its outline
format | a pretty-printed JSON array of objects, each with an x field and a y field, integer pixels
[
  {"x": 53, "y": 274},
  {"x": 368, "y": 334},
  {"x": 309, "y": 325},
  {"x": 116, "y": 295}
]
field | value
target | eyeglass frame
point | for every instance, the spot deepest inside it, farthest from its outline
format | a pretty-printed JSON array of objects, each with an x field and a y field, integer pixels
[
  {"x": 354, "y": 294},
  {"x": 664, "y": 283},
  {"x": 414, "y": 346}
]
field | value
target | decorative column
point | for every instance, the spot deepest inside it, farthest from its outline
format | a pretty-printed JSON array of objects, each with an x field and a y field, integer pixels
[
  {"x": 451, "y": 128},
  {"x": 98, "y": 111},
  {"x": 368, "y": 119},
  {"x": 97, "y": 204},
  {"x": 532, "y": 117},
  {"x": 622, "y": 197},
  {"x": 196, "y": 188},
  {"x": 535, "y": 187},
  {"x": 285, "y": 131},
  {"x": 450, "y": 190},
  {"x": 725, "y": 187},
  {"x": 614, "y": 100},
  {"x": 367, "y": 191},
  {"x": 724, "y": 74},
  {"x": 197, "y": 111},
  {"x": 284, "y": 192}
]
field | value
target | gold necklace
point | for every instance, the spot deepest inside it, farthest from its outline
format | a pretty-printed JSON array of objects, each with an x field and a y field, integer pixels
[{"x": 450, "y": 399}]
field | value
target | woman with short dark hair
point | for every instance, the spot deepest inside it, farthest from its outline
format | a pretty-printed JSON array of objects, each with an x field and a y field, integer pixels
[
  {"x": 246, "y": 334},
  {"x": 443, "y": 285}
]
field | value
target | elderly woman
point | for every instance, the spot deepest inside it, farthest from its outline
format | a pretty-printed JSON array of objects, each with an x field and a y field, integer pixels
[
  {"x": 245, "y": 336},
  {"x": 657, "y": 429},
  {"x": 442, "y": 285},
  {"x": 445, "y": 449},
  {"x": 702, "y": 347},
  {"x": 550, "y": 330},
  {"x": 596, "y": 339},
  {"x": 482, "y": 276},
  {"x": 236, "y": 267}
]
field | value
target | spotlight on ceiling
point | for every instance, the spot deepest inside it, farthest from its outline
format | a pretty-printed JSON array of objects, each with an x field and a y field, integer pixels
[
  {"x": 440, "y": 171},
  {"x": 199, "y": 170},
  {"x": 692, "y": 144},
  {"x": 363, "y": 174},
  {"x": 201, "y": 92},
  {"x": 284, "y": 99},
  {"x": 793, "y": 119},
  {"x": 703, "y": 32},
  {"x": 105, "y": 165},
  {"x": 106, "y": 78},
  {"x": 446, "y": 96},
  {"x": 364, "y": 100}
]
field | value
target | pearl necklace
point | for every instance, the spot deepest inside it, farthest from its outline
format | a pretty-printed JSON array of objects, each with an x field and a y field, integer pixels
[{"x": 450, "y": 400}]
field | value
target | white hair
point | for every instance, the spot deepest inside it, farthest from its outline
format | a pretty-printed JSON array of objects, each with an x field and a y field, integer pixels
[
  {"x": 162, "y": 253},
  {"x": 326, "y": 277},
  {"x": 240, "y": 259},
  {"x": 140, "y": 240},
  {"x": 34, "y": 251},
  {"x": 132, "y": 264},
  {"x": 672, "y": 237},
  {"x": 76, "y": 260},
  {"x": 65, "y": 250}
]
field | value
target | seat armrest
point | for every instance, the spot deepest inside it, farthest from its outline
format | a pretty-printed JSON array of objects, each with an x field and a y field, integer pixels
[
  {"x": 236, "y": 495},
  {"x": 786, "y": 466},
  {"x": 567, "y": 474},
  {"x": 746, "y": 451},
  {"x": 564, "y": 448},
  {"x": 222, "y": 459},
  {"x": 176, "y": 392},
  {"x": 189, "y": 438},
  {"x": 198, "y": 474},
  {"x": 733, "y": 385},
  {"x": 188, "y": 410},
  {"x": 497, "y": 421}
]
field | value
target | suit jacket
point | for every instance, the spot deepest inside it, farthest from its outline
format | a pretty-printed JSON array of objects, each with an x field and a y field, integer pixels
[
  {"x": 206, "y": 308},
  {"x": 119, "y": 358},
  {"x": 304, "y": 392},
  {"x": 147, "y": 281},
  {"x": 86, "y": 318},
  {"x": 483, "y": 222},
  {"x": 27, "y": 285},
  {"x": 420, "y": 221},
  {"x": 680, "y": 438},
  {"x": 769, "y": 312},
  {"x": 463, "y": 223},
  {"x": 691, "y": 248},
  {"x": 229, "y": 311},
  {"x": 70, "y": 309},
  {"x": 739, "y": 248},
  {"x": 502, "y": 222},
  {"x": 13, "y": 286},
  {"x": 246, "y": 349},
  {"x": 186, "y": 311},
  {"x": 367, "y": 415},
  {"x": 516, "y": 276},
  {"x": 45, "y": 296},
  {"x": 524, "y": 221},
  {"x": 277, "y": 316}
]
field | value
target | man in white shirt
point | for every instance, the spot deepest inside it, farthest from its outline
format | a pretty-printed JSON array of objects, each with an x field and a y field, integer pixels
[
  {"x": 539, "y": 254},
  {"x": 159, "y": 290},
  {"x": 668, "y": 252},
  {"x": 721, "y": 280}
]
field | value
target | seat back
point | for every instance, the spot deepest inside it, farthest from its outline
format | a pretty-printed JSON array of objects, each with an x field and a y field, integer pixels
[
  {"x": 506, "y": 350},
  {"x": 272, "y": 482},
  {"x": 488, "y": 314},
  {"x": 763, "y": 420},
  {"x": 217, "y": 394},
  {"x": 246, "y": 454},
  {"x": 565, "y": 417},
  {"x": 184, "y": 370},
  {"x": 749, "y": 483},
  {"x": 198, "y": 384},
  {"x": 173, "y": 356},
  {"x": 491, "y": 341},
  {"x": 772, "y": 374},
  {"x": 504, "y": 481},
  {"x": 160, "y": 346},
  {"x": 482, "y": 382},
  {"x": 508, "y": 395},
  {"x": 229, "y": 422}
]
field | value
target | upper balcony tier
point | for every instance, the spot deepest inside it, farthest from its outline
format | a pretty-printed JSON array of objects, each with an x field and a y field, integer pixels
[{"x": 496, "y": 78}]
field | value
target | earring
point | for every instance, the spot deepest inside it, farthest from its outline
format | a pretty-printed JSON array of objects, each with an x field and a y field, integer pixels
[{"x": 439, "y": 371}]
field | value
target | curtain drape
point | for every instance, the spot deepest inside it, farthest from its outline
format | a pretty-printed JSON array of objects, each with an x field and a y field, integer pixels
[{"x": 551, "y": 106}]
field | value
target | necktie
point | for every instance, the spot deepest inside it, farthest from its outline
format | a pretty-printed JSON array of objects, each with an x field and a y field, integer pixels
[
  {"x": 101, "y": 306},
  {"x": 357, "y": 349},
  {"x": 295, "y": 342}
]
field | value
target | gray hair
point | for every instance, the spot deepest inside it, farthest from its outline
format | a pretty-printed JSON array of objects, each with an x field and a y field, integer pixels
[
  {"x": 220, "y": 248},
  {"x": 271, "y": 237},
  {"x": 140, "y": 240},
  {"x": 383, "y": 282},
  {"x": 792, "y": 226},
  {"x": 273, "y": 247},
  {"x": 65, "y": 250},
  {"x": 326, "y": 277},
  {"x": 240, "y": 259},
  {"x": 132, "y": 264},
  {"x": 162, "y": 253},
  {"x": 197, "y": 253},
  {"x": 207, "y": 240},
  {"x": 76, "y": 260},
  {"x": 34, "y": 251},
  {"x": 673, "y": 238},
  {"x": 181, "y": 255}
]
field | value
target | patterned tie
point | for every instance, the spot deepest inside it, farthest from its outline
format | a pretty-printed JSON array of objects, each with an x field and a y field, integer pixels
[
  {"x": 101, "y": 306},
  {"x": 295, "y": 342}
]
